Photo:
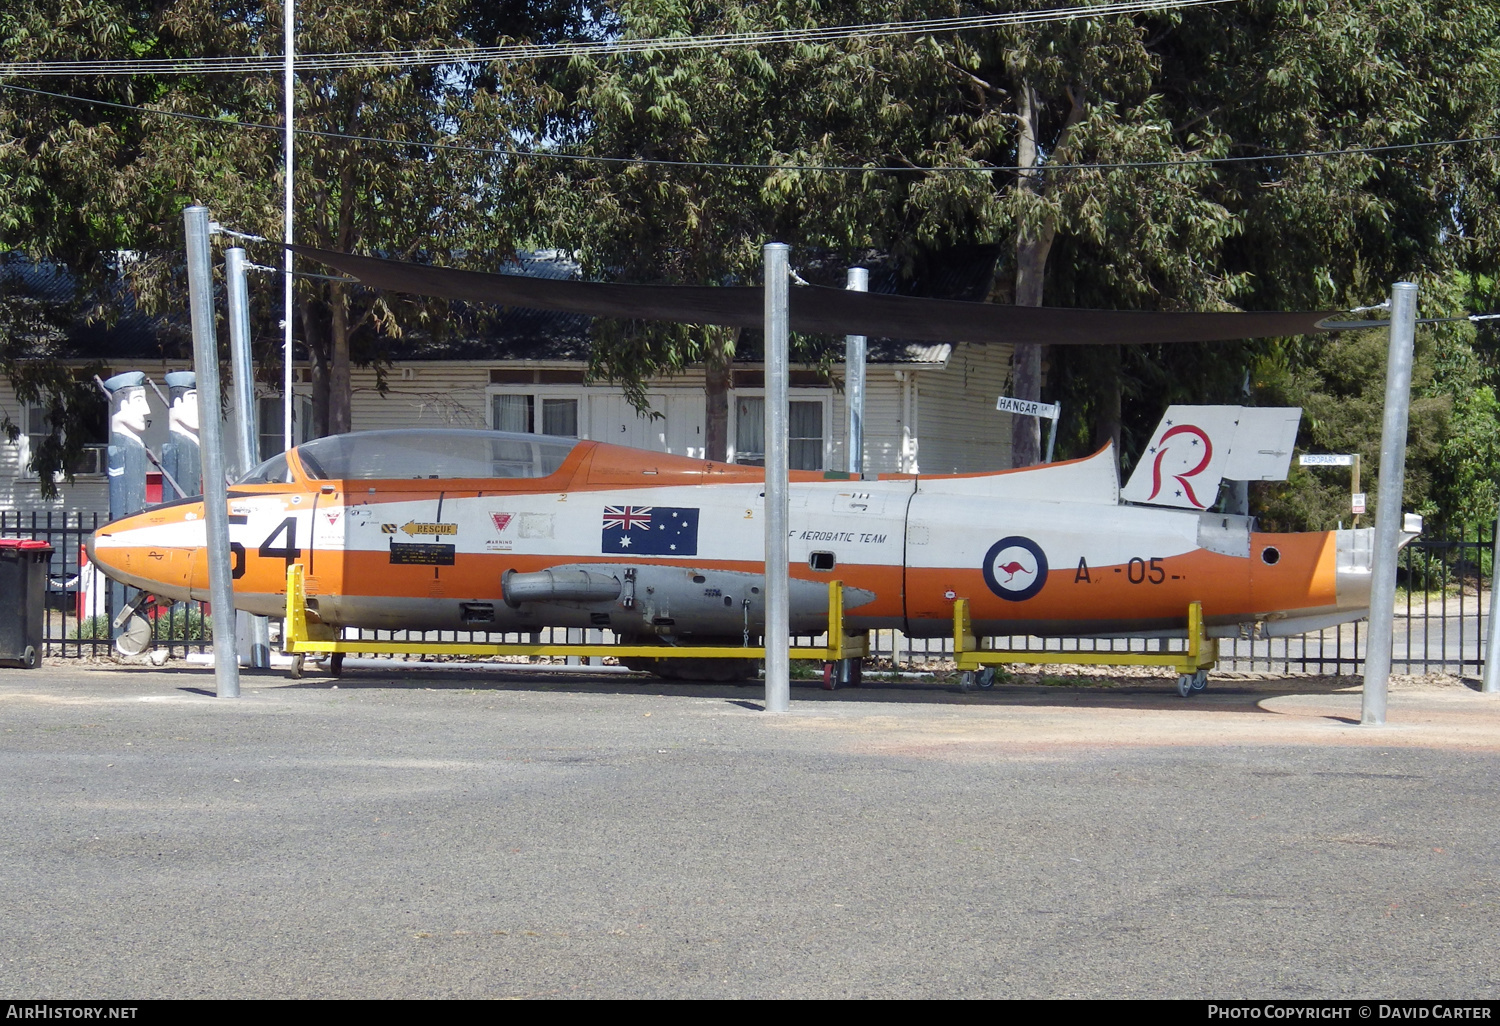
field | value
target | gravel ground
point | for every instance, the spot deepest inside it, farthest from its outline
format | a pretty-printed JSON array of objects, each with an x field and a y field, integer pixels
[{"x": 427, "y": 832}]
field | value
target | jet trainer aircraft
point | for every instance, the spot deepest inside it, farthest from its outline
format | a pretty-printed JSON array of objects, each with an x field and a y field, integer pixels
[{"x": 494, "y": 531}]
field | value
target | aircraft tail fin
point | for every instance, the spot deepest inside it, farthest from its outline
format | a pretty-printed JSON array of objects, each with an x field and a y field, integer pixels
[{"x": 1195, "y": 447}]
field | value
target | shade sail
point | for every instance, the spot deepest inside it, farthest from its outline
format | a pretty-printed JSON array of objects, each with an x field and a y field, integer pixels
[{"x": 819, "y": 310}]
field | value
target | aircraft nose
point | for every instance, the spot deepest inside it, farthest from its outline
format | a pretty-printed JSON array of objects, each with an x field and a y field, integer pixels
[
  {"x": 1354, "y": 566},
  {"x": 154, "y": 554}
]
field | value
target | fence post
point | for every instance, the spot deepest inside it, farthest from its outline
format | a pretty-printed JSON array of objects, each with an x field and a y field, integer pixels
[{"x": 1492, "y": 648}]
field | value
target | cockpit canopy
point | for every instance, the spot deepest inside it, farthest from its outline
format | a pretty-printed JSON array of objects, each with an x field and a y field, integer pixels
[{"x": 423, "y": 454}]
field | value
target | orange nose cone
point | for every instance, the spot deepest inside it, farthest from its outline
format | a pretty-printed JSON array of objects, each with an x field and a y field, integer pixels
[{"x": 154, "y": 550}]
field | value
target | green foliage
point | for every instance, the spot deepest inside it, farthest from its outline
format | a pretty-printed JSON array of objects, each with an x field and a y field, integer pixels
[
  {"x": 182, "y": 623},
  {"x": 179, "y": 623},
  {"x": 90, "y": 629},
  {"x": 1453, "y": 444},
  {"x": 80, "y": 184},
  {"x": 1245, "y": 80}
]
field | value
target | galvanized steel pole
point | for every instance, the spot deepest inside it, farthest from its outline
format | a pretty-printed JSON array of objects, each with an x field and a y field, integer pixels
[
  {"x": 288, "y": 87},
  {"x": 778, "y": 613},
  {"x": 854, "y": 382},
  {"x": 1492, "y": 647},
  {"x": 1388, "y": 512},
  {"x": 215, "y": 494},
  {"x": 253, "y": 632},
  {"x": 242, "y": 383}
]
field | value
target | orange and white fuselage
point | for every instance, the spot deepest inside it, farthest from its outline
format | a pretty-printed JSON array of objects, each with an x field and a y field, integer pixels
[{"x": 485, "y": 531}]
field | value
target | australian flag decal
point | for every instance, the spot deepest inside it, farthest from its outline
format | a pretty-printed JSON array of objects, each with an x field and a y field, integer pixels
[{"x": 650, "y": 531}]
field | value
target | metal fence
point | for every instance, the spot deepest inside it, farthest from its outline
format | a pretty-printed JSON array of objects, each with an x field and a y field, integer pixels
[
  {"x": 81, "y": 606},
  {"x": 1442, "y": 615}
]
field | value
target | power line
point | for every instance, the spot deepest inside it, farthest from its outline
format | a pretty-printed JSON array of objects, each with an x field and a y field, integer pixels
[
  {"x": 533, "y": 51},
  {"x": 732, "y": 166}
]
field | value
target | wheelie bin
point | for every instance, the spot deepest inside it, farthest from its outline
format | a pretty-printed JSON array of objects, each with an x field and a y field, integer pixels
[{"x": 23, "y": 594}]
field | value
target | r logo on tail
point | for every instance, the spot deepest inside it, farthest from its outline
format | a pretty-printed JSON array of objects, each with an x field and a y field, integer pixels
[{"x": 1195, "y": 447}]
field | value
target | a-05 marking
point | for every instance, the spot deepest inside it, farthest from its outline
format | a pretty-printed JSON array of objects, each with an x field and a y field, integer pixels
[{"x": 1141, "y": 571}]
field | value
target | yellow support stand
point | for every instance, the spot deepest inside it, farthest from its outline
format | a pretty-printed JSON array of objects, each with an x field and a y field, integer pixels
[
  {"x": 300, "y": 637},
  {"x": 1192, "y": 664}
]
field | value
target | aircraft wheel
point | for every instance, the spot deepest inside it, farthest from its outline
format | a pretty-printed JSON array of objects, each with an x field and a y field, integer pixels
[
  {"x": 336, "y": 664},
  {"x": 297, "y": 662},
  {"x": 1185, "y": 684},
  {"x": 1200, "y": 680},
  {"x": 986, "y": 678},
  {"x": 135, "y": 638}
]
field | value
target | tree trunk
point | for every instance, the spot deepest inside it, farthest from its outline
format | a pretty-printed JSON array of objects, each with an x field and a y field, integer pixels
[
  {"x": 317, "y": 358},
  {"x": 339, "y": 385},
  {"x": 1032, "y": 247},
  {"x": 716, "y": 410},
  {"x": 1107, "y": 411},
  {"x": 718, "y": 367}
]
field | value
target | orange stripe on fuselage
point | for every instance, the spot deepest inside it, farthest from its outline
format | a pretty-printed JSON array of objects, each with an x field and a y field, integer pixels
[{"x": 1228, "y": 586}]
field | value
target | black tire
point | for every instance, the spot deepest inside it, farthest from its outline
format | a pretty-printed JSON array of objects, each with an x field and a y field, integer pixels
[
  {"x": 336, "y": 664},
  {"x": 30, "y": 659}
]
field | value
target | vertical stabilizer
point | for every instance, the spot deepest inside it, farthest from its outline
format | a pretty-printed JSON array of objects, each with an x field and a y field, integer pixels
[{"x": 1195, "y": 447}]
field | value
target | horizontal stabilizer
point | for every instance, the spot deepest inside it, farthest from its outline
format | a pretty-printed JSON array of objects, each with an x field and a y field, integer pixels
[{"x": 1195, "y": 447}]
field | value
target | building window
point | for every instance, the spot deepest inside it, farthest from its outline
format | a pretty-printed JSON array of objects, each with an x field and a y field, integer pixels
[
  {"x": 528, "y": 413},
  {"x": 805, "y": 434},
  {"x": 92, "y": 460}
]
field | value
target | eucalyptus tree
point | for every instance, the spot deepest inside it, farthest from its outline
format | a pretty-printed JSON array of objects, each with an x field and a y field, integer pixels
[
  {"x": 1085, "y": 148},
  {"x": 401, "y": 160},
  {"x": 923, "y": 121},
  {"x": 389, "y": 160},
  {"x": 61, "y": 206}
]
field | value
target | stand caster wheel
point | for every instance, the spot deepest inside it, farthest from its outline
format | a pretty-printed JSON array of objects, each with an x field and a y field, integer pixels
[
  {"x": 966, "y": 681},
  {"x": 1185, "y": 684},
  {"x": 1200, "y": 680},
  {"x": 986, "y": 678},
  {"x": 336, "y": 664},
  {"x": 297, "y": 663}
]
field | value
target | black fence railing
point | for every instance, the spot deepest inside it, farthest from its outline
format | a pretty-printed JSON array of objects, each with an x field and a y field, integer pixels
[
  {"x": 1442, "y": 615},
  {"x": 81, "y": 604}
]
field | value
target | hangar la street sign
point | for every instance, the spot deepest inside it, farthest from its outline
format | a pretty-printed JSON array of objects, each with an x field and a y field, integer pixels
[{"x": 1027, "y": 408}]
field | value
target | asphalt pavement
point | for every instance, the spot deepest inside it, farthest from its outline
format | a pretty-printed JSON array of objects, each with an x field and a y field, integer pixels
[{"x": 415, "y": 832}]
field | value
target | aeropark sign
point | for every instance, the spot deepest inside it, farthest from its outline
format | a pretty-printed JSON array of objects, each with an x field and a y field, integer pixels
[{"x": 1362, "y": 1010}]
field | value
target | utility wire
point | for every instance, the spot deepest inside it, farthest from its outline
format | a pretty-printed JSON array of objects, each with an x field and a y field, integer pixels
[
  {"x": 731, "y": 166},
  {"x": 534, "y": 51}
]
